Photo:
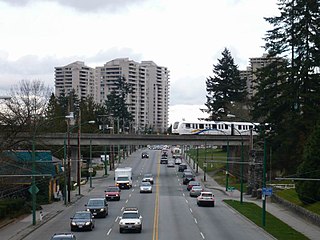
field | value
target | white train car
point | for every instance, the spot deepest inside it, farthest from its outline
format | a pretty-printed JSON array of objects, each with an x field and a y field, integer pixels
[{"x": 214, "y": 128}]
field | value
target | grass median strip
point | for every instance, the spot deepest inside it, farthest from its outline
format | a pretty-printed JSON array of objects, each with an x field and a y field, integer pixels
[{"x": 274, "y": 226}]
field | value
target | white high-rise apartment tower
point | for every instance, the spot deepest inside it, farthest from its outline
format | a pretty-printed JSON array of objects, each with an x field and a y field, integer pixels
[
  {"x": 78, "y": 77},
  {"x": 149, "y": 101}
]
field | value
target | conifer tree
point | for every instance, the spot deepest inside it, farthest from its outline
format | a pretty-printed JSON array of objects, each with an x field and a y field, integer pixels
[{"x": 225, "y": 87}]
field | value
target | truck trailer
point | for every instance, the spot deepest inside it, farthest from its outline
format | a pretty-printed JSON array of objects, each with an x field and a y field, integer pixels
[{"x": 123, "y": 177}]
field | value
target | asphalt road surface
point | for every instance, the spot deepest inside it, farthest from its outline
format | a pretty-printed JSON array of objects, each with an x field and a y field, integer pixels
[{"x": 169, "y": 213}]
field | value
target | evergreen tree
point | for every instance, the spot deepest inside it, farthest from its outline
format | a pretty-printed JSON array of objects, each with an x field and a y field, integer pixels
[
  {"x": 309, "y": 191},
  {"x": 288, "y": 90},
  {"x": 116, "y": 105},
  {"x": 226, "y": 87}
]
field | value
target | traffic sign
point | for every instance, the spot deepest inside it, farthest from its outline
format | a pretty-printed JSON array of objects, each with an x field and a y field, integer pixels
[
  {"x": 33, "y": 189},
  {"x": 267, "y": 191}
]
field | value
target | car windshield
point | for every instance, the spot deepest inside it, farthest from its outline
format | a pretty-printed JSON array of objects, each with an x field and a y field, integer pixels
[
  {"x": 145, "y": 184},
  {"x": 130, "y": 215},
  {"x": 112, "y": 189},
  {"x": 95, "y": 202},
  {"x": 207, "y": 195},
  {"x": 63, "y": 238},
  {"x": 122, "y": 178},
  {"x": 148, "y": 175},
  {"x": 196, "y": 188},
  {"x": 82, "y": 215}
]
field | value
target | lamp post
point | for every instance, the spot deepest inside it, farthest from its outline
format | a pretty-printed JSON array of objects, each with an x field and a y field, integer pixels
[{"x": 90, "y": 164}]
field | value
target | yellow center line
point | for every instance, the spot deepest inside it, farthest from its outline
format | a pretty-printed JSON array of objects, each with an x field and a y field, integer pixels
[{"x": 155, "y": 235}]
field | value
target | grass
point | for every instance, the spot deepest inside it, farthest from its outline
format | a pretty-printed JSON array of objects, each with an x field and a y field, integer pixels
[
  {"x": 274, "y": 226},
  {"x": 291, "y": 196}
]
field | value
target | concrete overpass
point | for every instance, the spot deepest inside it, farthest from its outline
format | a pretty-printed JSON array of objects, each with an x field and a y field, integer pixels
[{"x": 99, "y": 139}]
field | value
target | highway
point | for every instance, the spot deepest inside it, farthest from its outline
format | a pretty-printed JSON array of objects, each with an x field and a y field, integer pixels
[{"x": 168, "y": 212}]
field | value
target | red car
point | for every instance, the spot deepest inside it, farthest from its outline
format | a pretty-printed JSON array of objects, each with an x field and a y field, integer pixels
[
  {"x": 191, "y": 184},
  {"x": 112, "y": 193}
]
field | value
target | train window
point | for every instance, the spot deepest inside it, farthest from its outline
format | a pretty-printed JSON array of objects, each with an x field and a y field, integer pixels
[
  {"x": 214, "y": 126},
  {"x": 226, "y": 126},
  {"x": 201, "y": 126},
  {"x": 175, "y": 125},
  {"x": 187, "y": 125},
  {"x": 239, "y": 127}
]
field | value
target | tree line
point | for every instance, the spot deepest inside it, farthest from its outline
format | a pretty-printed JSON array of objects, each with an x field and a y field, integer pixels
[{"x": 286, "y": 93}]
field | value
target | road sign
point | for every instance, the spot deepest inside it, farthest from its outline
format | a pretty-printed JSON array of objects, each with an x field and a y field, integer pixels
[
  {"x": 267, "y": 191},
  {"x": 33, "y": 188}
]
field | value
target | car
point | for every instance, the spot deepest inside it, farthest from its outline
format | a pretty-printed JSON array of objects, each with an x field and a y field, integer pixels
[
  {"x": 148, "y": 177},
  {"x": 170, "y": 164},
  {"x": 191, "y": 184},
  {"x": 131, "y": 220},
  {"x": 178, "y": 161},
  {"x": 98, "y": 207},
  {"x": 112, "y": 193},
  {"x": 145, "y": 187},
  {"x": 182, "y": 167},
  {"x": 206, "y": 199},
  {"x": 144, "y": 155},
  {"x": 196, "y": 191},
  {"x": 63, "y": 236},
  {"x": 187, "y": 178},
  {"x": 82, "y": 220},
  {"x": 186, "y": 171},
  {"x": 164, "y": 160}
]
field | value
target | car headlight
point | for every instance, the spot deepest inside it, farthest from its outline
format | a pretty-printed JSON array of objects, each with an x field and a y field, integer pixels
[
  {"x": 88, "y": 223},
  {"x": 73, "y": 223},
  {"x": 102, "y": 209},
  {"x": 88, "y": 209}
]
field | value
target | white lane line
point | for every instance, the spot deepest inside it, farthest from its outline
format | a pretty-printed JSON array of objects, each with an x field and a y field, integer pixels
[
  {"x": 195, "y": 220},
  {"x": 129, "y": 195},
  {"x": 183, "y": 194},
  {"x": 122, "y": 208},
  {"x": 202, "y": 235},
  {"x": 108, "y": 233},
  {"x": 116, "y": 219},
  {"x": 187, "y": 201},
  {"x": 127, "y": 200},
  {"x": 132, "y": 190},
  {"x": 190, "y": 209}
]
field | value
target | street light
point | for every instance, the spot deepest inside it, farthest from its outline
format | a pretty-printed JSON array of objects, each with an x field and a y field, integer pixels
[{"x": 262, "y": 132}]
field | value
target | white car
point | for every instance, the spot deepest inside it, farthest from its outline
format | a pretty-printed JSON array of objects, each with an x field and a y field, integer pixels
[
  {"x": 147, "y": 178},
  {"x": 145, "y": 187},
  {"x": 131, "y": 220},
  {"x": 205, "y": 199}
]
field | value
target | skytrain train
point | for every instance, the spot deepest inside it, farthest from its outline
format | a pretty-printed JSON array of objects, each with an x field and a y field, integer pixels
[{"x": 215, "y": 128}]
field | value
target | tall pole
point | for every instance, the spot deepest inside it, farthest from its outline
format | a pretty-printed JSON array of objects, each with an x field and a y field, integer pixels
[
  {"x": 241, "y": 183},
  {"x": 64, "y": 171},
  {"x": 227, "y": 167},
  {"x": 33, "y": 187},
  {"x": 205, "y": 162},
  {"x": 79, "y": 156},
  {"x": 90, "y": 167},
  {"x": 264, "y": 178},
  {"x": 69, "y": 162},
  {"x": 197, "y": 159}
]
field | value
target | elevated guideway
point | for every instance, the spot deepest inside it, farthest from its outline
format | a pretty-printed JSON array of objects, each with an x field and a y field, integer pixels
[{"x": 134, "y": 139}]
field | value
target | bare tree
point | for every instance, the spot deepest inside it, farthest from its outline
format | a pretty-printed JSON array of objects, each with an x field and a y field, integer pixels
[{"x": 24, "y": 110}]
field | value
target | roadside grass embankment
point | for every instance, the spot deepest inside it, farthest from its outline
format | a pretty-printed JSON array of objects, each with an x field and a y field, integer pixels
[{"x": 273, "y": 226}]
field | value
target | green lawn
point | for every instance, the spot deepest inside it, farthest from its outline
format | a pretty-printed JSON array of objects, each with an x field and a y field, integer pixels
[
  {"x": 273, "y": 226},
  {"x": 291, "y": 196}
]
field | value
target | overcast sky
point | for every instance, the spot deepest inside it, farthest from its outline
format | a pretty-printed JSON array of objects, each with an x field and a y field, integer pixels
[{"x": 186, "y": 36}]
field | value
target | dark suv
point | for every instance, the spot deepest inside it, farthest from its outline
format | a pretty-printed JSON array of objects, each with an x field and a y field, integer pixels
[
  {"x": 63, "y": 236},
  {"x": 144, "y": 155},
  {"x": 187, "y": 178},
  {"x": 98, "y": 207},
  {"x": 182, "y": 167}
]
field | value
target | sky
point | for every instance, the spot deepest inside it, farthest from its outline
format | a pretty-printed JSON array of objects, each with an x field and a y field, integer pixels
[{"x": 186, "y": 36}]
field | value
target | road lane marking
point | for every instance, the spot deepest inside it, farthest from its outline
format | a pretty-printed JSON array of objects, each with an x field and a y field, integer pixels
[
  {"x": 190, "y": 209},
  {"x": 195, "y": 220},
  {"x": 108, "y": 233},
  {"x": 155, "y": 234},
  {"x": 187, "y": 201},
  {"x": 202, "y": 235},
  {"x": 116, "y": 219}
]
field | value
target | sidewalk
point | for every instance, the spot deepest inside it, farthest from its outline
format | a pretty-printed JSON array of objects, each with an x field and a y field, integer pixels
[
  {"x": 20, "y": 228},
  {"x": 294, "y": 220}
]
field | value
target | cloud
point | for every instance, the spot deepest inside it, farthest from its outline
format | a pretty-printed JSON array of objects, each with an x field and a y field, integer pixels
[
  {"x": 42, "y": 68},
  {"x": 83, "y": 5}
]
